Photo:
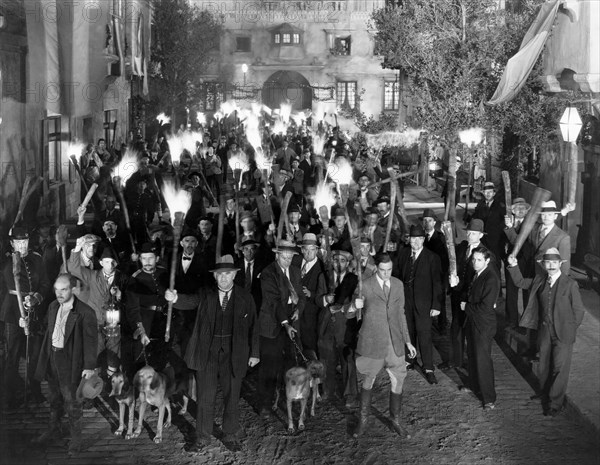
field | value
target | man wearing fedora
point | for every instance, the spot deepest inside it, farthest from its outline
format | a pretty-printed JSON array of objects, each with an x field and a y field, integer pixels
[
  {"x": 251, "y": 264},
  {"x": 314, "y": 287},
  {"x": 436, "y": 242},
  {"x": 491, "y": 212},
  {"x": 68, "y": 354},
  {"x": 555, "y": 310},
  {"x": 372, "y": 230},
  {"x": 223, "y": 344},
  {"x": 512, "y": 227},
  {"x": 296, "y": 230},
  {"x": 35, "y": 288},
  {"x": 338, "y": 328},
  {"x": 420, "y": 271},
  {"x": 282, "y": 306},
  {"x": 383, "y": 205}
]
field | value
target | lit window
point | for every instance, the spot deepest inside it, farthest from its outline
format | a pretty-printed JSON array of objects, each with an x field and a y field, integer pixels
[
  {"x": 296, "y": 38},
  {"x": 287, "y": 38},
  {"x": 51, "y": 142},
  {"x": 277, "y": 38},
  {"x": 110, "y": 126},
  {"x": 346, "y": 94},
  {"x": 391, "y": 95}
]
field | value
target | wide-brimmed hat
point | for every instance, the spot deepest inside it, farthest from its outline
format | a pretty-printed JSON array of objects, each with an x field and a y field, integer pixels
[
  {"x": 416, "y": 230},
  {"x": 476, "y": 225},
  {"x": 286, "y": 246},
  {"x": 518, "y": 202},
  {"x": 89, "y": 388},
  {"x": 342, "y": 252},
  {"x": 283, "y": 172},
  {"x": 309, "y": 239},
  {"x": 488, "y": 185},
  {"x": 551, "y": 254},
  {"x": 549, "y": 207},
  {"x": 19, "y": 233},
  {"x": 225, "y": 263},
  {"x": 428, "y": 213}
]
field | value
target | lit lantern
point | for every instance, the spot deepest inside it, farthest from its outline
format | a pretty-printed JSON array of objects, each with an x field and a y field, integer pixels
[
  {"x": 112, "y": 317},
  {"x": 570, "y": 124}
]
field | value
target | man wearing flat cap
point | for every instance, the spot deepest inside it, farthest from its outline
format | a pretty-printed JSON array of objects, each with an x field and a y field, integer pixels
[
  {"x": 35, "y": 287},
  {"x": 224, "y": 343},
  {"x": 282, "y": 305},
  {"x": 556, "y": 310},
  {"x": 491, "y": 212},
  {"x": 419, "y": 269}
]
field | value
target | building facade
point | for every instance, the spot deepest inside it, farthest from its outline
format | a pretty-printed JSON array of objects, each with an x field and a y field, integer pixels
[
  {"x": 306, "y": 53},
  {"x": 70, "y": 71}
]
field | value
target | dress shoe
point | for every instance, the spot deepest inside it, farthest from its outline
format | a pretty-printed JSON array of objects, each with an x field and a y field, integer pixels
[
  {"x": 430, "y": 377},
  {"x": 489, "y": 406},
  {"x": 410, "y": 366},
  {"x": 446, "y": 366}
]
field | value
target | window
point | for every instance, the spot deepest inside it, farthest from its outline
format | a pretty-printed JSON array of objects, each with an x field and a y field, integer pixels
[
  {"x": 346, "y": 94},
  {"x": 286, "y": 38},
  {"x": 341, "y": 46},
  {"x": 277, "y": 38},
  {"x": 213, "y": 96},
  {"x": 51, "y": 143},
  {"x": 296, "y": 38},
  {"x": 110, "y": 126},
  {"x": 391, "y": 95},
  {"x": 242, "y": 44}
]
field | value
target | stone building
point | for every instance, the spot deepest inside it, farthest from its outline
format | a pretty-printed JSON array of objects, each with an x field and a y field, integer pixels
[{"x": 69, "y": 71}]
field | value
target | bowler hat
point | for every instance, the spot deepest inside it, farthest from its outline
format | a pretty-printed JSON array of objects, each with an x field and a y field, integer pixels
[
  {"x": 416, "y": 230},
  {"x": 372, "y": 211},
  {"x": 189, "y": 232},
  {"x": 194, "y": 173},
  {"x": 382, "y": 199},
  {"x": 225, "y": 263},
  {"x": 293, "y": 207},
  {"x": 428, "y": 213},
  {"x": 551, "y": 254},
  {"x": 89, "y": 388},
  {"x": 246, "y": 215},
  {"x": 339, "y": 212},
  {"x": 365, "y": 240},
  {"x": 476, "y": 225}
]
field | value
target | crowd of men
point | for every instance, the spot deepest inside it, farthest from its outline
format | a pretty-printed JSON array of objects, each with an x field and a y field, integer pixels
[{"x": 357, "y": 288}]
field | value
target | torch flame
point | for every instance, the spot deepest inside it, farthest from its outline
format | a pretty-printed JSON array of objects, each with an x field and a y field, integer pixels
[
  {"x": 201, "y": 118},
  {"x": 405, "y": 138},
  {"x": 184, "y": 141},
  {"x": 340, "y": 171},
  {"x": 128, "y": 165},
  {"x": 318, "y": 144},
  {"x": 471, "y": 136},
  {"x": 162, "y": 118},
  {"x": 262, "y": 161},
  {"x": 76, "y": 148},
  {"x": 228, "y": 107},
  {"x": 239, "y": 161},
  {"x": 324, "y": 196},
  {"x": 178, "y": 200},
  {"x": 285, "y": 110}
]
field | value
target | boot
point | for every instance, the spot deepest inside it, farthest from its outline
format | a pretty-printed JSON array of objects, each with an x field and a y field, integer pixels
[
  {"x": 53, "y": 432},
  {"x": 75, "y": 426},
  {"x": 365, "y": 410},
  {"x": 395, "y": 409}
]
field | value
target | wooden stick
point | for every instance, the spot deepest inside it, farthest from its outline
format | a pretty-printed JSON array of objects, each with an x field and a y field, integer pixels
[
  {"x": 447, "y": 230},
  {"x": 89, "y": 195},
  {"x": 220, "y": 228},
  {"x": 283, "y": 216},
  {"x": 387, "y": 180},
  {"x": 507, "y": 193},
  {"x": 391, "y": 217},
  {"x": 540, "y": 195},
  {"x": 573, "y": 173},
  {"x": 451, "y": 186},
  {"x": 29, "y": 187},
  {"x": 400, "y": 201},
  {"x": 73, "y": 159},
  {"x": 124, "y": 209},
  {"x": 177, "y": 226}
]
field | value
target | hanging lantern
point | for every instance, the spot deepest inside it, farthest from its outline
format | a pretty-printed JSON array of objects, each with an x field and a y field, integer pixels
[
  {"x": 112, "y": 317},
  {"x": 570, "y": 124}
]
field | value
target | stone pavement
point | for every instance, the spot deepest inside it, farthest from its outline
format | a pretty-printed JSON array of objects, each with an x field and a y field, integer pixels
[{"x": 446, "y": 425}]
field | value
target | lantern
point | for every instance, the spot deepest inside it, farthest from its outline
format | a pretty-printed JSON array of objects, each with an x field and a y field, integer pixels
[
  {"x": 570, "y": 124},
  {"x": 112, "y": 317}
]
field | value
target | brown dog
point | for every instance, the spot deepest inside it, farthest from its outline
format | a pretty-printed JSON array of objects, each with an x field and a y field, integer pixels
[
  {"x": 299, "y": 382},
  {"x": 153, "y": 390},
  {"x": 122, "y": 391}
]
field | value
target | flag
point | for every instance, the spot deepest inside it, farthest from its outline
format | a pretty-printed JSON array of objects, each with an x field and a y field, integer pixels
[{"x": 519, "y": 66}]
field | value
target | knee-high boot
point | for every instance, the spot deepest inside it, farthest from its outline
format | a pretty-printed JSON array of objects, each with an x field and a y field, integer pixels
[
  {"x": 365, "y": 411},
  {"x": 395, "y": 409}
]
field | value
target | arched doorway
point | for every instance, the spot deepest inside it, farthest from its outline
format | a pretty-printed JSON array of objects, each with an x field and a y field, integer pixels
[{"x": 287, "y": 86}]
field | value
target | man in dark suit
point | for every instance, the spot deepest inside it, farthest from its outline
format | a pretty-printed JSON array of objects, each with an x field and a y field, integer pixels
[
  {"x": 224, "y": 343},
  {"x": 556, "y": 310},
  {"x": 436, "y": 242},
  {"x": 296, "y": 231},
  {"x": 308, "y": 167},
  {"x": 478, "y": 303},
  {"x": 251, "y": 266},
  {"x": 207, "y": 246},
  {"x": 314, "y": 287},
  {"x": 491, "y": 212},
  {"x": 297, "y": 178},
  {"x": 68, "y": 353},
  {"x": 419, "y": 270},
  {"x": 338, "y": 329},
  {"x": 263, "y": 211},
  {"x": 282, "y": 305}
]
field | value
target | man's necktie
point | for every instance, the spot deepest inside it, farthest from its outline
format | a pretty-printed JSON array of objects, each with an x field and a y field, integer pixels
[
  {"x": 248, "y": 279},
  {"x": 225, "y": 301},
  {"x": 337, "y": 281},
  {"x": 542, "y": 234},
  {"x": 386, "y": 290},
  {"x": 304, "y": 269}
]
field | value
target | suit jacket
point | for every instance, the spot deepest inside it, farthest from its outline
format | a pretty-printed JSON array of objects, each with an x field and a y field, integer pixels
[
  {"x": 240, "y": 278},
  {"x": 188, "y": 284},
  {"x": 262, "y": 209},
  {"x": 81, "y": 340},
  {"x": 555, "y": 238},
  {"x": 309, "y": 170},
  {"x": 298, "y": 182},
  {"x": 382, "y": 319},
  {"x": 275, "y": 295},
  {"x": 493, "y": 220},
  {"x": 338, "y": 322},
  {"x": 481, "y": 297},
  {"x": 427, "y": 286},
  {"x": 437, "y": 244},
  {"x": 245, "y": 338},
  {"x": 568, "y": 308}
]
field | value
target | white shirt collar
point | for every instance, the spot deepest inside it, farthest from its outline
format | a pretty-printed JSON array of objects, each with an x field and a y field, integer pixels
[
  {"x": 307, "y": 266},
  {"x": 381, "y": 281},
  {"x": 417, "y": 253},
  {"x": 554, "y": 278}
]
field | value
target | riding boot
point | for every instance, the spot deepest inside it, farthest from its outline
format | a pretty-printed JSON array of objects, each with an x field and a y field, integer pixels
[
  {"x": 75, "y": 426},
  {"x": 54, "y": 430},
  {"x": 395, "y": 409},
  {"x": 365, "y": 410}
]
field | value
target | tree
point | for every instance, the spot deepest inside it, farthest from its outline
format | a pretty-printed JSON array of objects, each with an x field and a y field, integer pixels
[
  {"x": 453, "y": 52},
  {"x": 185, "y": 39}
]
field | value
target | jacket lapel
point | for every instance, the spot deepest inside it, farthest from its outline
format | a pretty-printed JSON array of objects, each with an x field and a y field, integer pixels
[{"x": 71, "y": 319}]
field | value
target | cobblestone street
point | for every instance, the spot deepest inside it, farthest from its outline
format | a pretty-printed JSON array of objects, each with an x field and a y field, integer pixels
[{"x": 446, "y": 425}]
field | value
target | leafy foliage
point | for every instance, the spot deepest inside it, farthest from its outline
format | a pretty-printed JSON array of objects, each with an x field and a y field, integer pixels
[{"x": 185, "y": 39}]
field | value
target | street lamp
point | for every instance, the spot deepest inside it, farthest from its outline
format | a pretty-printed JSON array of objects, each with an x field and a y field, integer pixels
[
  {"x": 570, "y": 125},
  {"x": 244, "y": 70}
]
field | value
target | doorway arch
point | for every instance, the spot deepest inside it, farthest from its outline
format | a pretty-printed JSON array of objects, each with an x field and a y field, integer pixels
[{"x": 287, "y": 86}]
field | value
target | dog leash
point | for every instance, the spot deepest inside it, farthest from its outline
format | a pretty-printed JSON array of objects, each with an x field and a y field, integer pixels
[
  {"x": 143, "y": 352},
  {"x": 298, "y": 351}
]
